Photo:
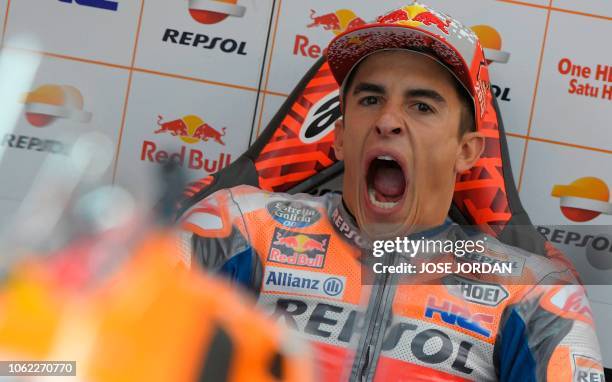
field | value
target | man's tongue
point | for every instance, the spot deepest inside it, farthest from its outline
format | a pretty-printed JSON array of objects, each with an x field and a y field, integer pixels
[{"x": 389, "y": 184}]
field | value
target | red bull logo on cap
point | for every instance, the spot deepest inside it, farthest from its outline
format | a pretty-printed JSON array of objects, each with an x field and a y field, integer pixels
[
  {"x": 416, "y": 15},
  {"x": 306, "y": 250}
]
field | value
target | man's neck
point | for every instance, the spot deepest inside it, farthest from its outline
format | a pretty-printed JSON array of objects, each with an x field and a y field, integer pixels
[
  {"x": 427, "y": 230},
  {"x": 349, "y": 212}
]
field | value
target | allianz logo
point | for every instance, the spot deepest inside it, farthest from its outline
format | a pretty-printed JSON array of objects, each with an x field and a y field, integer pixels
[{"x": 304, "y": 282}]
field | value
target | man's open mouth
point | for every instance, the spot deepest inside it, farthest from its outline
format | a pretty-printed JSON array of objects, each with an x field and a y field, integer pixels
[{"x": 386, "y": 182}]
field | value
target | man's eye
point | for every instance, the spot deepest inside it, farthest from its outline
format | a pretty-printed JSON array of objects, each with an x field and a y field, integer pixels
[
  {"x": 423, "y": 107},
  {"x": 368, "y": 100}
]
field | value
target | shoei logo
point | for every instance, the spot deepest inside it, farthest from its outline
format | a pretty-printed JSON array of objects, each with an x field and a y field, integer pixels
[
  {"x": 476, "y": 292},
  {"x": 101, "y": 4},
  {"x": 491, "y": 41},
  {"x": 584, "y": 199},
  {"x": 278, "y": 279},
  {"x": 48, "y": 103},
  {"x": 214, "y": 11}
]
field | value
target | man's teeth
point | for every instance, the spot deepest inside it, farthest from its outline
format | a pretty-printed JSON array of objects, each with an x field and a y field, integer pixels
[
  {"x": 385, "y": 157},
  {"x": 372, "y": 195}
]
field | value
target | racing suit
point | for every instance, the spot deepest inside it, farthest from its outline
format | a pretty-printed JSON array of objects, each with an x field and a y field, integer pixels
[{"x": 303, "y": 258}]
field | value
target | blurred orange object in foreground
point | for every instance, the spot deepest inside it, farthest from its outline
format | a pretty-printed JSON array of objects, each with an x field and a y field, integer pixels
[{"x": 150, "y": 320}]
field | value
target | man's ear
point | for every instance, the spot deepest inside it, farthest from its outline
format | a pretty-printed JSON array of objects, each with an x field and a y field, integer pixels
[
  {"x": 470, "y": 148},
  {"x": 339, "y": 139}
]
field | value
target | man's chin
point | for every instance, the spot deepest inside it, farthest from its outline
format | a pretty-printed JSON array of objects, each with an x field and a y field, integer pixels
[{"x": 380, "y": 222}]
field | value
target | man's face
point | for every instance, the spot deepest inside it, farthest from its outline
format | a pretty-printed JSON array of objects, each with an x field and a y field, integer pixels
[{"x": 399, "y": 139}]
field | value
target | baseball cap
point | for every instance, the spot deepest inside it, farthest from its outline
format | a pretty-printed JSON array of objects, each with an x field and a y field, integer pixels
[{"x": 419, "y": 28}]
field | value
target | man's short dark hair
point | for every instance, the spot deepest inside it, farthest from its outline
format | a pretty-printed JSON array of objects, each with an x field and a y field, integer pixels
[{"x": 466, "y": 122}]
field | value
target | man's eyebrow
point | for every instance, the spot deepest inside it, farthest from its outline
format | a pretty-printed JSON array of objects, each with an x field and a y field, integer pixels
[
  {"x": 425, "y": 93},
  {"x": 368, "y": 87},
  {"x": 410, "y": 93}
]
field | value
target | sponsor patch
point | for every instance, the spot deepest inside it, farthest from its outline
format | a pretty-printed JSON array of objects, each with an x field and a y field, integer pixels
[
  {"x": 328, "y": 321},
  {"x": 293, "y": 214},
  {"x": 587, "y": 369},
  {"x": 571, "y": 302},
  {"x": 278, "y": 279},
  {"x": 347, "y": 231},
  {"x": 299, "y": 249},
  {"x": 457, "y": 315},
  {"x": 476, "y": 292}
]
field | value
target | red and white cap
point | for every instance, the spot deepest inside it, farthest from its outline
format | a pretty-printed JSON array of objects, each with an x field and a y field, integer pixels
[{"x": 419, "y": 28}]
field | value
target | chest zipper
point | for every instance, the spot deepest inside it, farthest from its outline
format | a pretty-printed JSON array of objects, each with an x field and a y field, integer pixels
[{"x": 375, "y": 325}]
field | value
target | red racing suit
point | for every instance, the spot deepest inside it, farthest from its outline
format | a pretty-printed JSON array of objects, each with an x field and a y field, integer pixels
[{"x": 303, "y": 257}]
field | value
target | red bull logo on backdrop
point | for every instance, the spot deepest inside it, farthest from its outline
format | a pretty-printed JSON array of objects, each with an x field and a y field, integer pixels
[
  {"x": 306, "y": 250},
  {"x": 191, "y": 130},
  {"x": 335, "y": 22}
]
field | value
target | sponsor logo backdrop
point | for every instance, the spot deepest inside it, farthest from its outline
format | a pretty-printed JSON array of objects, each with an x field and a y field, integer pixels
[{"x": 198, "y": 80}]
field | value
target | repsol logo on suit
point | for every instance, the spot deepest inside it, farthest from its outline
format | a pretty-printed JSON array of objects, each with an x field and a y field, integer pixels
[{"x": 324, "y": 320}]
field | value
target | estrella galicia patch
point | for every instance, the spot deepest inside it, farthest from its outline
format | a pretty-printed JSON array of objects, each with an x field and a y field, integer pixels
[{"x": 293, "y": 214}]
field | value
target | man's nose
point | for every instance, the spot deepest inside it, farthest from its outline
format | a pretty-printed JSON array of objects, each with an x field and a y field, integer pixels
[{"x": 389, "y": 123}]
